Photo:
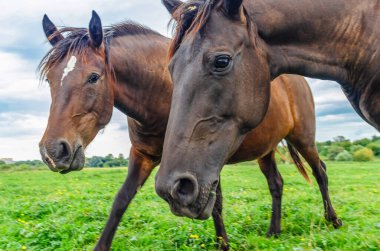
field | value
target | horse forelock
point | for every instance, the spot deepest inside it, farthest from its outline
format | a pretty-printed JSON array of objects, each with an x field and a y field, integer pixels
[
  {"x": 75, "y": 42},
  {"x": 190, "y": 17}
]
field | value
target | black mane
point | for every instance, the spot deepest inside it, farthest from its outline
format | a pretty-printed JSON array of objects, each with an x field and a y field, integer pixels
[{"x": 128, "y": 28}]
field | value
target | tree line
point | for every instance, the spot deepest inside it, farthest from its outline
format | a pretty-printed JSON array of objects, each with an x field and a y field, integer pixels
[
  {"x": 337, "y": 149},
  {"x": 107, "y": 161},
  {"x": 342, "y": 149},
  {"x": 95, "y": 161}
]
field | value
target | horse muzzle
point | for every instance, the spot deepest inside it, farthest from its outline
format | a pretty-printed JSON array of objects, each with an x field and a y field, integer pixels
[
  {"x": 187, "y": 198},
  {"x": 60, "y": 157}
]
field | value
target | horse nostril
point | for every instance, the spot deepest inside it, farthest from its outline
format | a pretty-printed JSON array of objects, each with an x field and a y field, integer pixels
[
  {"x": 185, "y": 187},
  {"x": 214, "y": 185},
  {"x": 63, "y": 150},
  {"x": 47, "y": 160},
  {"x": 185, "y": 190}
]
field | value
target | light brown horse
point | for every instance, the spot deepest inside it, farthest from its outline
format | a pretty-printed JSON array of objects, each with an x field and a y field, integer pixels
[
  {"x": 92, "y": 70},
  {"x": 224, "y": 55}
]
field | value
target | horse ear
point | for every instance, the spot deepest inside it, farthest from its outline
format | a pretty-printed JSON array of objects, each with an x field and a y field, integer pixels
[
  {"x": 232, "y": 6},
  {"x": 171, "y": 5},
  {"x": 51, "y": 31},
  {"x": 96, "y": 30}
]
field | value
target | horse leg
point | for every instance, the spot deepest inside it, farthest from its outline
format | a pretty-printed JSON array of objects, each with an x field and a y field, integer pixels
[
  {"x": 221, "y": 235},
  {"x": 269, "y": 168},
  {"x": 139, "y": 169},
  {"x": 310, "y": 153}
]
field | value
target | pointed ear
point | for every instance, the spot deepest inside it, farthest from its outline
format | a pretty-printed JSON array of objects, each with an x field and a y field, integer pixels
[
  {"x": 232, "y": 7},
  {"x": 171, "y": 5},
  {"x": 50, "y": 29},
  {"x": 96, "y": 30}
]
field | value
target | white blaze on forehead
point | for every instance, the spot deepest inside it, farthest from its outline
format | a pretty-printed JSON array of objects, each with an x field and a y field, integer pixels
[{"x": 69, "y": 67}]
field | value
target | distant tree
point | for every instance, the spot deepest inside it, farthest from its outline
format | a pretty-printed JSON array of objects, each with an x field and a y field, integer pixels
[
  {"x": 375, "y": 148},
  {"x": 324, "y": 150},
  {"x": 95, "y": 161},
  {"x": 363, "y": 142},
  {"x": 333, "y": 151},
  {"x": 328, "y": 143},
  {"x": 109, "y": 157},
  {"x": 340, "y": 139},
  {"x": 123, "y": 161},
  {"x": 375, "y": 138},
  {"x": 108, "y": 161}
]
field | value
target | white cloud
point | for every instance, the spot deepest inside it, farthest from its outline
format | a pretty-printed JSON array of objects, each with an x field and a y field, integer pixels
[
  {"x": 23, "y": 17},
  {"x": 112, "y": 140},
  {"x": 338, "y": 118},
  {"x": 21, "y": 133},
  {"x": 335, "y": 114},
  {"x": 19, "y": 148},
  {"x": 326, "y": 92},
  {"x": 328, "y": 98},
  {"x": 18, "y": 79},
  {"x": 329, "y": 128},
  {"x": 15, "y": 124}
]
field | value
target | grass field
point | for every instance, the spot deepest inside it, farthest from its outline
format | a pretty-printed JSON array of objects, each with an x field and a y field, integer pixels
[{"x": 42, "y": 210}]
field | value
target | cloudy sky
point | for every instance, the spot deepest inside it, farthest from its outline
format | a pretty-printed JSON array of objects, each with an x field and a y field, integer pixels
[{"x": 24, "y": 103}]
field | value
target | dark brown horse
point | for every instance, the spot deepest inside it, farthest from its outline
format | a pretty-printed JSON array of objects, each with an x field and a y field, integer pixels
[
  {"x": 337, "y": 40},
  {"x": 92, "y": 70},
  {"x": 224, "y": 55}
]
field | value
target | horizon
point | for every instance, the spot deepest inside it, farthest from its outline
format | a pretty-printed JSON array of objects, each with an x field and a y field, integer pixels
[{"x": 127, "y": 156}]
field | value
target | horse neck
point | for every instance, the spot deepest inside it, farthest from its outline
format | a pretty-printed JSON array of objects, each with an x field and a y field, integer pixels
[
  {"x": 325, "y": 39},
  {"x": 143, "y": 85}
]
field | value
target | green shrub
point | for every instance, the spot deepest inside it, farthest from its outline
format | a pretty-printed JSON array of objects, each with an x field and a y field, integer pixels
[
  {"x": 4, "y": 167},
  {"x": 334, "y": 151},
  {"x": 323, "y": 150},
  {"x": 364, "y": 154},
  {"x": 354, "y": 148},
  {"x": 375, "y": 148},
  {"x": 344, "y": 156}
]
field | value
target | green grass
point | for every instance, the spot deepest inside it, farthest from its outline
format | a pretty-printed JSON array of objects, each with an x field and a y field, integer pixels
[{"x": 42, "y": 210}]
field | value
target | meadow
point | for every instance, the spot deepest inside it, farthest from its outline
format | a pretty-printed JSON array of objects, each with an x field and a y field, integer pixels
[{"x": 42, "y": 210}]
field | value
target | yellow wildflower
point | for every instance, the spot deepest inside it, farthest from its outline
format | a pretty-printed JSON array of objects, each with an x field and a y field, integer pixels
[
  {"x": 194, "y": 236},
  {"x": 23, "y": 247},
  {"x": 22, "y": 221},
  {"x": 203, "y": 245}
]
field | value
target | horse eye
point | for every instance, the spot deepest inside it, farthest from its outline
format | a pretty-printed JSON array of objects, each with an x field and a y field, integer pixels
[
  {"x": 221, "y": 62},
  {"x": 47, "y": 81},
  {"x": 93, "y": 78}
]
